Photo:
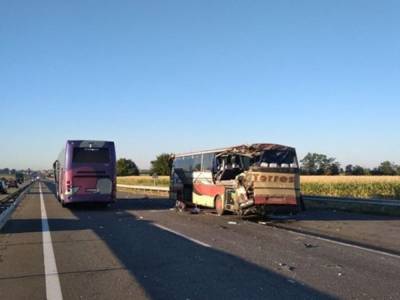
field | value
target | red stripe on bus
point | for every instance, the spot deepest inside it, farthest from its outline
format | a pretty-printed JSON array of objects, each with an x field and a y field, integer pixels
[
  {"x": 274, "y": 200},
  {"x": 208, "y": 189}
]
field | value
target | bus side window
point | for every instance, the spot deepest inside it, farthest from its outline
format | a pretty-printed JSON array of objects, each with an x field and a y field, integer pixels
[
  {"x": 208, "y": 162},
  {"x": 196, "y": 163}
]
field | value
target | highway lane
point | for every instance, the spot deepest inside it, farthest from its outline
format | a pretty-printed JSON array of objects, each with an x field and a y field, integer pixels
[{"x": 139, "y": 248}]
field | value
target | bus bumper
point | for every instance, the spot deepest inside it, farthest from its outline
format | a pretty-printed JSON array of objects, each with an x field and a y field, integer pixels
[{"x": 89, "y": 198}]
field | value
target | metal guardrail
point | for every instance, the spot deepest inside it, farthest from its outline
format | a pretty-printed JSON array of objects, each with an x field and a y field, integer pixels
[
  {"x": 380, "y": 202},
  {"x": 8, "y": 204},
  {"x": 369, "y": 206},
  {"x": 305, "y": 197},
  {"x": 14, "y": 195},
  {"x": 144, "y": 188},
  {"x": 373, "y": 206}
]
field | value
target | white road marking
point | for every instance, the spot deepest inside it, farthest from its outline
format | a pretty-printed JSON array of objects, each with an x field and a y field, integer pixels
[
  {"x": 183, "y": 235},
  {"x": 53, "y": 287}
]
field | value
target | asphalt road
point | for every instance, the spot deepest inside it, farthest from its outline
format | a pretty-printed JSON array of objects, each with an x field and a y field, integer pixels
[{"x": 139, "y": 248}]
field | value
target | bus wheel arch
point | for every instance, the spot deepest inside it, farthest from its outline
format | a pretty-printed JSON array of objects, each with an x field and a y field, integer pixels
[{"x": 219, "y": 205}]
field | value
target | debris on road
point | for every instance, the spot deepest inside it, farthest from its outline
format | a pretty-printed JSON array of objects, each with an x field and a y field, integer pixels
[
  {"x": 262, "y": 222},
  {"x": 195, "y": 211},
  {"x": 232, "y": 223},
  {"x": 286, "y": 267},
  {"x": 310, "y": 245},
  {"x": 335, "y": 266}
]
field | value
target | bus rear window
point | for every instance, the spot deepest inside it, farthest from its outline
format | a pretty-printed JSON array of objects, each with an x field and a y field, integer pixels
[
  {"x": 278, "y": 158},
  {"x": 91, "y": 155}
]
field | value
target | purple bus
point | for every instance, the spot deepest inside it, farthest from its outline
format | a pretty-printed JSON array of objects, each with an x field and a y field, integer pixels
[{"x": 85, "y": 171}]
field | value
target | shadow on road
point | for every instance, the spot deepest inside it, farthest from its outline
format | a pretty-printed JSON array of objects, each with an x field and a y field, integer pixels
[{"x": 168, "y": 266}]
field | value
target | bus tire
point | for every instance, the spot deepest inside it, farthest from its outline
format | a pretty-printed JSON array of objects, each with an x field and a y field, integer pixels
[{"x": 219, "y": 205}]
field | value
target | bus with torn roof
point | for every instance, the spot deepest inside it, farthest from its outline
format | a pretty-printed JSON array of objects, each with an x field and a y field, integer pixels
[
  {"x": 258, "y": 179},
  {"x": 85, "y": 171}
]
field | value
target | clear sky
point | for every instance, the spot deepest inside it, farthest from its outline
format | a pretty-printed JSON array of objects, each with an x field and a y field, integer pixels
[{"x": 174, "y": 76}]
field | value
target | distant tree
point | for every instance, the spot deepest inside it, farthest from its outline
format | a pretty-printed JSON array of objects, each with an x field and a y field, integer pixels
[
  {"x": 126, "y": 167},
  {"x": 358, "y": 170},
  {"x": 319, "y": 164},
  {"x": 375, "y": 171},
  {"x": 349, "y": 170},
  {"x": 387, "y": 168},
  {"x": 333, "y": 169},
  {"x": 161, "y": 165},
  {"x": 309, "y": 164}
]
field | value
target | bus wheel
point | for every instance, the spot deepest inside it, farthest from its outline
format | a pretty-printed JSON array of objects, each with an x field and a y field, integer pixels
[{"x": 219, "y": 205}]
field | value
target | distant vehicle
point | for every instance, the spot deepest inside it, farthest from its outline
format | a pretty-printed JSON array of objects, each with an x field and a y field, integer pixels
[
  {"x": 85, "y": 171},
  {"x": 12, "y": 183},
  {"x": 248, "y": 179},
  {"x": 19, "y": 177},
  {"x": 3, "y": 186}
]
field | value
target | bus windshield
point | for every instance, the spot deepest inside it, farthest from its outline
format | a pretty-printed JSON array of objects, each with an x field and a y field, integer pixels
[{"x": 91, "y": 155}]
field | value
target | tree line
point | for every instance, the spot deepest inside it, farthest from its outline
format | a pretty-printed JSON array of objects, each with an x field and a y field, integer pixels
[
  {"x": 311, "y": 164},
  {"x": 159, "y": 166},
  {"x": 320, "y": 164}
]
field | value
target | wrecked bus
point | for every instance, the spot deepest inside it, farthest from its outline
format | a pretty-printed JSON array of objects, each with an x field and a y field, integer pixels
[
  {"x": 248, "y": 179},
  {"x": 85, "y": 171}
]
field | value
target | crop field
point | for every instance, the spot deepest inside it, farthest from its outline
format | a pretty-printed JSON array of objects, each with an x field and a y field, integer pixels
[{"x": 385, "y": 187}]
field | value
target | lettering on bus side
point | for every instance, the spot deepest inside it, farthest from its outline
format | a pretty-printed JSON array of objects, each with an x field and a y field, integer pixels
[{"x": 273, "y": 178}]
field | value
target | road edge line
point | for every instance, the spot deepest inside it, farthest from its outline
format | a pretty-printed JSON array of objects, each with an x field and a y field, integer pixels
[{"x": 53, "y": 287}]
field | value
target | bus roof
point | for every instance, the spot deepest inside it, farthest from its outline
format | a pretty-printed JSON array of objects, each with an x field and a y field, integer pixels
[
  {"x": 240, "y": 148},
  {"x": 86, "y": 143}
]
